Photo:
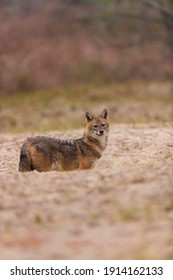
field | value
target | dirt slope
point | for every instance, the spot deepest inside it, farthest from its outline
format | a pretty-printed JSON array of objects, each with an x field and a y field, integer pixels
[{"x": 122, "y": 209}]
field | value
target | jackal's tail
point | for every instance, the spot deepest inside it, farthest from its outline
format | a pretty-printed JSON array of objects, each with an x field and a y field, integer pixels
[{"x": 25, "y": 160}]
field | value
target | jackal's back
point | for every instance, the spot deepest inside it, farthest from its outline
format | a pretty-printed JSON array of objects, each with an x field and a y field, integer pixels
[{"x": 45, "y": 153}]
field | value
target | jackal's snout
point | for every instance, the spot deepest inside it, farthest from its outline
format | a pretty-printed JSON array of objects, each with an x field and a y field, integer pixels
[
  {"x": 101, "y": 132},
  {"x": 100, "y": 129}
]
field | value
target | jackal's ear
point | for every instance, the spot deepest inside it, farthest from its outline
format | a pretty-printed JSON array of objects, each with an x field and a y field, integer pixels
[
  {"x": 104, "y": 114},
  {"x": 89, "y": 117}
]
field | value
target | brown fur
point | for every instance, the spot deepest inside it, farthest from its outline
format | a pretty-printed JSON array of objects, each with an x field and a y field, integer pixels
[{"x": 43, "y": 153}]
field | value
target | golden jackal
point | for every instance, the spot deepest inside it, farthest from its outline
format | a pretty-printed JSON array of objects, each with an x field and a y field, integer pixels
[{"x": 43, "y": 153}]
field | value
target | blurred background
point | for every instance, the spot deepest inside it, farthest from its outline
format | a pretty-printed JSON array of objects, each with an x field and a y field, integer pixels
[{"x": 61, "y": 57}]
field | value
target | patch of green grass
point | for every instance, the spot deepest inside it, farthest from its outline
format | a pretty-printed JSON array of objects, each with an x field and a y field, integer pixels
[
  {"x": 64, "y": 108},
  {"x": 38, "y": 219},
  {"x": 127, "y": 214}
]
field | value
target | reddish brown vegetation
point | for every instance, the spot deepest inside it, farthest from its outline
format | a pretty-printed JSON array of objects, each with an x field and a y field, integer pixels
[{"x": 58, "y": 44}]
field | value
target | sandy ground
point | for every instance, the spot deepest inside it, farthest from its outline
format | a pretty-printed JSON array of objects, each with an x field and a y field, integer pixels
[{"x": 121, "y": 209}]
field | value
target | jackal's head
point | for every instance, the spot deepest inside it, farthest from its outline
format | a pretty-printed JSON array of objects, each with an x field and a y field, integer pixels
[{"x": 97, "y": 126}]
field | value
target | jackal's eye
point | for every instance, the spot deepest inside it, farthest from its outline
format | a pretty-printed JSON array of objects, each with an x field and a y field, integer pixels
[
  {"x": 103, "y": 125},
  {"x": 95, "y": 126}
]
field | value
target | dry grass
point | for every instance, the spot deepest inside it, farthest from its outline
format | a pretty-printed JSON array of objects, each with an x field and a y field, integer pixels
[
  {"x": 122, "y": 209},
  {"x": 130, "y": 102}
]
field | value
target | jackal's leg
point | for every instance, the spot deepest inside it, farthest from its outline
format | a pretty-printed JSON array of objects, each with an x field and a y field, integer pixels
[{"x": 25, "y": 160}]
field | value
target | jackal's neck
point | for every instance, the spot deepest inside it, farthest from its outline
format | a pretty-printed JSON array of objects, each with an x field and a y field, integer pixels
[{"x": 97, "y": 143}]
